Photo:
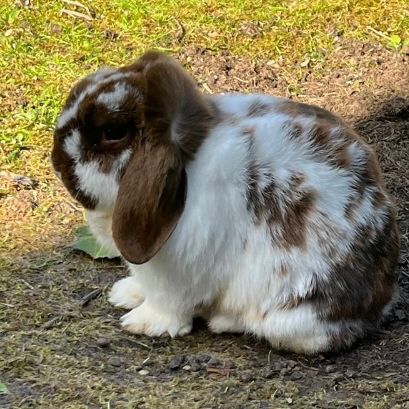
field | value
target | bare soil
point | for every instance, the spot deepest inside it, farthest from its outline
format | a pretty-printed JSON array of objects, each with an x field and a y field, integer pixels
[{"x": 61, "y": 350}]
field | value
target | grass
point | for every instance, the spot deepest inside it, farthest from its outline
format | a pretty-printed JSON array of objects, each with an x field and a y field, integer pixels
[{"x": 43, "y": 51}]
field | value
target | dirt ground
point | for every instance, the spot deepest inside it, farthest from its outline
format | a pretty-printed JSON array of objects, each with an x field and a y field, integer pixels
[{"x": 62, "y": 347}]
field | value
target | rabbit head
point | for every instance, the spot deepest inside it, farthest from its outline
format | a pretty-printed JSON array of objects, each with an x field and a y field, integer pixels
[{"x": 121, "y": 144}]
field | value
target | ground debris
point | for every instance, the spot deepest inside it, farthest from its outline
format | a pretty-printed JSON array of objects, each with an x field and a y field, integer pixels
[
  {"x": 20, "y": 181},
  {"x": 218, "y": 371},
  {"x": 52, "y": 322},
  {"x": 115, "y": 361},
  {"x": 103, "y": 342},
  {"x": 176, "y": 362},
  {"x": 90, "y": 296}
]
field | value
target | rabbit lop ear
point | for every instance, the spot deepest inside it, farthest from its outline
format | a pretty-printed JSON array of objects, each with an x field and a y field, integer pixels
[
  {"x": 152, "y": 190},
  {"x": 150, "y": 201}
]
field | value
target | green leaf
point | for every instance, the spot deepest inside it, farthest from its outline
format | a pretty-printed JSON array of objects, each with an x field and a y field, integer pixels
[
  {"x": 3, "y": 389},
  {"x": 87, "y": 243},
  {"x": 395, "y": 41}
]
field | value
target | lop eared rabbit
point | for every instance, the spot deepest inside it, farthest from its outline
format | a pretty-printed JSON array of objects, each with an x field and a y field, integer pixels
[{"x": 260, "y": 214}]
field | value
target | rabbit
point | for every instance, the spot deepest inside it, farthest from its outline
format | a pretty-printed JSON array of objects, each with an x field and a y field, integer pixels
[{"x": 260, "y": 214}]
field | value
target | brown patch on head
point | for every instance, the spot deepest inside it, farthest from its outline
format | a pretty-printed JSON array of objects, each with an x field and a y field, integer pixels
[
  {"x": 93, "y": 121},
  {"x": 143, "y": 63},
  {"x": 173, "y": 94},
  {"x": 76, "y": 90},
  {"x": 258, "y": 108},
  {"x": 107, "y": 131}
]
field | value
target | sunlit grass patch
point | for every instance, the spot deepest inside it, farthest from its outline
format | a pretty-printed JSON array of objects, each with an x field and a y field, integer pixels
[{"x": 48, "y": 45}]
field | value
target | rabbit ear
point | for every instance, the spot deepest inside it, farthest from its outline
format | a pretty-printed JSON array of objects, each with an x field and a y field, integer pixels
[
  {"x": 150, "y": 201},
  {"x": 152, "y": 191}
]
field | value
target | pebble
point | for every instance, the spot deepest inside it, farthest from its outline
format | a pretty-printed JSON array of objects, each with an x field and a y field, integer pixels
[
  {"x": 350, "y": 373},
  {"x": 247, "y": 376},
  {"x": 203, "y": 358},
  {"x": 295, "y": 376},
  {"x": 143, "y": 372},
  {"x": 400, "y": 314},
  {"x": 268, "y": 373},
  {"x": 103, "y": 342},
  {"x": 279, "y": 365},
  {"x": 195, "y": 364},
  {"x": 263, "y": 404},
  {"x": 213, "y": 362},
  {"x": 114, "y": 361},
  {"x": 337, "y": 377},
  {"x": 187, "y": 368},
  {"x": 230, "y": 365},
  {"x": 291, "y": 364},
  {"x": 176, "y": 362},
  {"x": 330, "y": 368}
]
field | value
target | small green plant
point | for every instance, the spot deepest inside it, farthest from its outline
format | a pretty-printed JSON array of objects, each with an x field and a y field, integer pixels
[
  {"x": 394, "y": 41},
  {"x": 87, "y": 243},
  {"x": 3, "y": 389}
]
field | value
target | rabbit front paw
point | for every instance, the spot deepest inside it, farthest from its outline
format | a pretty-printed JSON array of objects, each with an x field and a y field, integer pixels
[
  {"x": 153, "y": 322},
  {"x": 126, "y": 293},
  {"x": 220, "y": 323}
]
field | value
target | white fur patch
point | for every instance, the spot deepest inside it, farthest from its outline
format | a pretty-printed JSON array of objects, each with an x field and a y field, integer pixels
[
  {"x": 72, "y": 145},
  {"x": 97, "y": 185},
  {"x": 112, "y": 100},
  {"x": 100, "y": 186},
  {"x": 100, "y": 79}
]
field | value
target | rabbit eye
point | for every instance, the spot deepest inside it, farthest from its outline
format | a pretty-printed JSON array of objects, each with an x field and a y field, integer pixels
[{"x": 115, "y": 132}]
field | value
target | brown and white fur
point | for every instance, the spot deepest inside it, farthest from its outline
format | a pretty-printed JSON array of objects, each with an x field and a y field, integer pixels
[{"x": 261, "y": 214}]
